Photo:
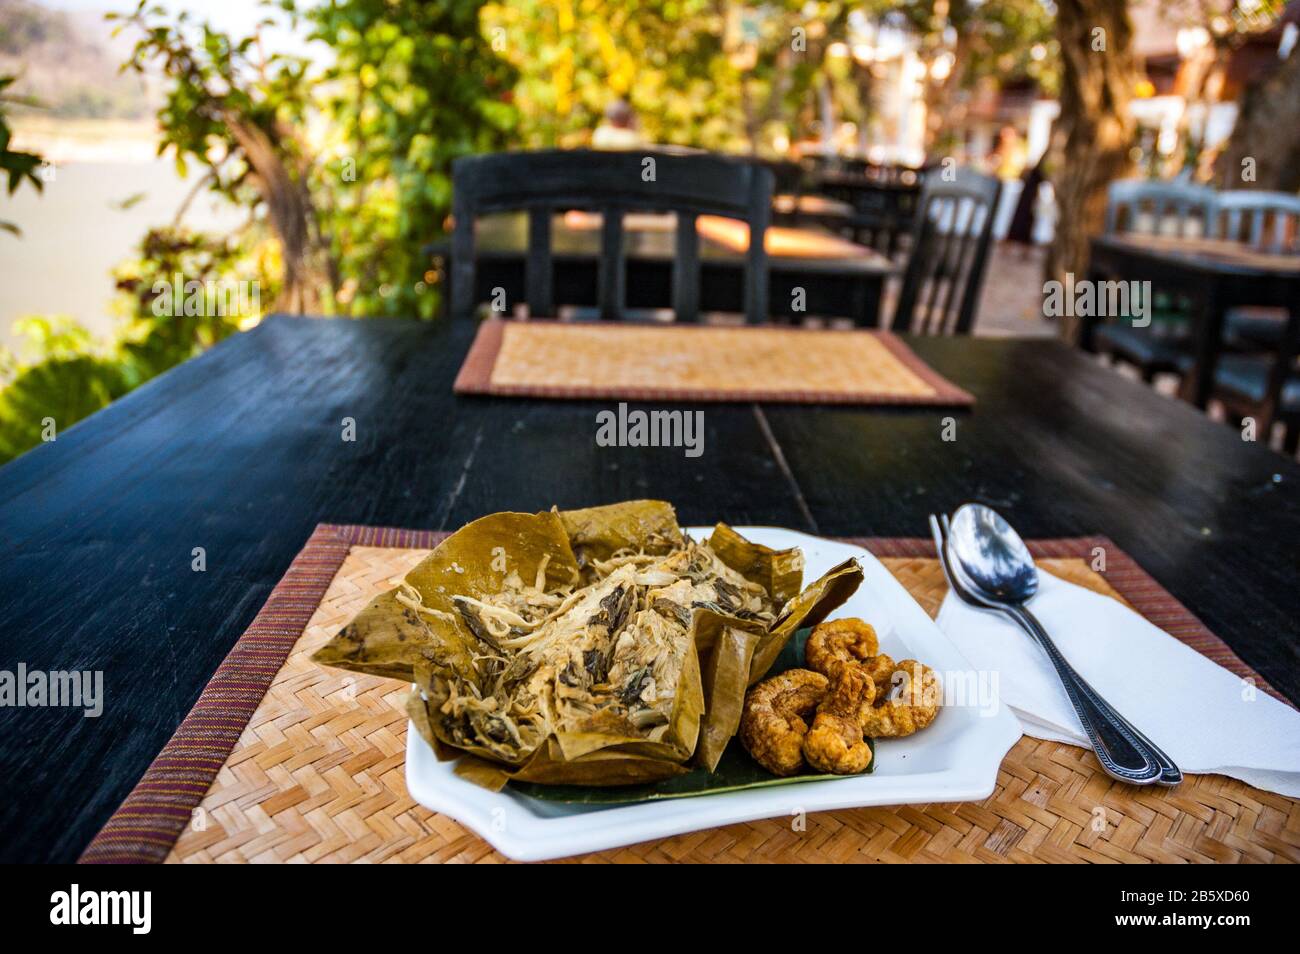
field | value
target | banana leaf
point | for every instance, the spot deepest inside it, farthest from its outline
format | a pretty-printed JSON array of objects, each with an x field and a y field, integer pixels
[
  {"x": 780, "y": 572},
  {"x": 807, "y": 609},
  {"x": 735, "y": 770},
  {"x": 389, "y": 638},
  {"x": 738, "y": 650},
  {"x": 419, "y": 633},
  {"x": 597, "y": 533},
  {"x": 726, "y": 647}
]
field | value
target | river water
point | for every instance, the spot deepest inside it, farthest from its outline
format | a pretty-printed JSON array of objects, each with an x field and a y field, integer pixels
[{"x": 73, "y": 234}]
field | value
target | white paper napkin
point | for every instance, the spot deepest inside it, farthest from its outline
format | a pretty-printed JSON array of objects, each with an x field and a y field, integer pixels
[{"x": 1204, "y": 717}]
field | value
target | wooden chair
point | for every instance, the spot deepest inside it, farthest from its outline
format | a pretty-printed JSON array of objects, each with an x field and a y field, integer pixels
[
  {"x": 546, "y": 182},
  {"x": 949, "y": 253},
  {"x": 1150, "y": 207},
  {"x": 1265, "y": 386},
  {"x": 883, "y": 199},
  {"x": 1268, "y": 222},
  {"x": 885, "y": 215},
  {"x": 789, "y": 191},
  {"x": 890, "y": 173},
  {"x": 1156, "y": 207},
  {"x": 787, "y": 175}
]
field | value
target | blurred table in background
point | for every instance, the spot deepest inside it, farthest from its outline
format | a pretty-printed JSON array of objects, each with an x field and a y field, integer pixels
[
  {"x": 883, "y": 207},
  {"x": 1215, "y": 275}
]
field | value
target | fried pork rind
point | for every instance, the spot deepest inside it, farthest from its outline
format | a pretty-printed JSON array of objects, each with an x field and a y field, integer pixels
[
  {"x": 776, "y": 717},
  {"x": 840, "y": 640},
  {"x": 908, "y": 697},
  {"x": 597, "y": 646},
  {"x": 835, "y": 743}
]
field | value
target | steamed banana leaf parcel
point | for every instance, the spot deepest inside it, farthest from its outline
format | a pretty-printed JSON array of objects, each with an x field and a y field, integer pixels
[{"x": 591, "y": 647}]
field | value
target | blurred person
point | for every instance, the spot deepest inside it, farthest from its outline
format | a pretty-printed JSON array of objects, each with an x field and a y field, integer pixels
[
  {"x": 618, "y": 129},
  {"x": 1010, "y": 156},
  {"x": 1023, "y": 226}
]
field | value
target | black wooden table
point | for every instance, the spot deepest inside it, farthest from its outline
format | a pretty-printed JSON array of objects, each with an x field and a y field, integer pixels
[
  {"x": 883, "y": 208},
  {"x": 811, "y": 272},
  {"x": 241, "y": 452},
  {"x": 1217, "y": 275}
]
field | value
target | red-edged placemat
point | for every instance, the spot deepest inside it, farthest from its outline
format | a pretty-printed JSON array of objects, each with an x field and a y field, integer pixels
[
  {"x": 679, "y": 362},
  {"x": 146, "y": 827}
]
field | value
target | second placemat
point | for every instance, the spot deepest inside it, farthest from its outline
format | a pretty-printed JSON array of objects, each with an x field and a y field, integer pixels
[{"x": 700, "y": 363}]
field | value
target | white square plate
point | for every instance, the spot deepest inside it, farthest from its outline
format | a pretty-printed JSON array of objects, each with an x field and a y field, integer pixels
[{"x": 956, "y": 759}]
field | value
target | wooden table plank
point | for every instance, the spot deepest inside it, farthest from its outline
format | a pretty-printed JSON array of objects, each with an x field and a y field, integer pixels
[{"x": 539, "y": 454}]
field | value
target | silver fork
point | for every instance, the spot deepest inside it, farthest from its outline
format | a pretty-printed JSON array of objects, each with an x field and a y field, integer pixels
[{"x": 1114, "y": 739}]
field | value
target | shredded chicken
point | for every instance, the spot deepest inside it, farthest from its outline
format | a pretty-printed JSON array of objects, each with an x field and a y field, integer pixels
[{"x": 604, "y": 657}]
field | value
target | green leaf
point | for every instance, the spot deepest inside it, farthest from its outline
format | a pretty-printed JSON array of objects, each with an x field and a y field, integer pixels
[
  {"x": 132, "y": 200},
  {"x": 64, "y": 391}
]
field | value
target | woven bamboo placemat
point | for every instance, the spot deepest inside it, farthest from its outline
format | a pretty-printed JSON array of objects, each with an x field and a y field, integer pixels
[
  {"x": 313, "y": 770},
  {"x": 624, "y": 361}
]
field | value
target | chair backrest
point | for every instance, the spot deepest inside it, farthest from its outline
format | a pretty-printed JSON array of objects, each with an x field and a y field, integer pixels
[
  {"x": 1267, "y": 221},
  {"x": 950, "y": 243},
  {"x": 546, "y": 182},
  {"x": 1154, "y": 207},
  {"x": 788, "y": 177}
]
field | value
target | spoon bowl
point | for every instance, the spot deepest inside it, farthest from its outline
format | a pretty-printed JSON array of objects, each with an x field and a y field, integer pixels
[{"x": 993, "y": 558}]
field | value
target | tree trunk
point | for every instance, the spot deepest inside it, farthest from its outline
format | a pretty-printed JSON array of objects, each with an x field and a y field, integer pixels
[
  {"x": 1266, "y": 132},
  {"x": 1095, "y": 125},
  {"x": 306, "y": 267}
]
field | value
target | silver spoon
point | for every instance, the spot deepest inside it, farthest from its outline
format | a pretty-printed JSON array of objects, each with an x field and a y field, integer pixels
[
  {"x": 995, "y": 563},
  {"x": 1139, "y": 768}
]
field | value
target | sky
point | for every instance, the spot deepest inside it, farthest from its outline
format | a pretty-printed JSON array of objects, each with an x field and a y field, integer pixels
[{"x": 234, "y": 16}]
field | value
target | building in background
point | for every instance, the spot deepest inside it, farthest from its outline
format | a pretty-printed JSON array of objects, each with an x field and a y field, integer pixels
[{"x": 1197, "y": 65}]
